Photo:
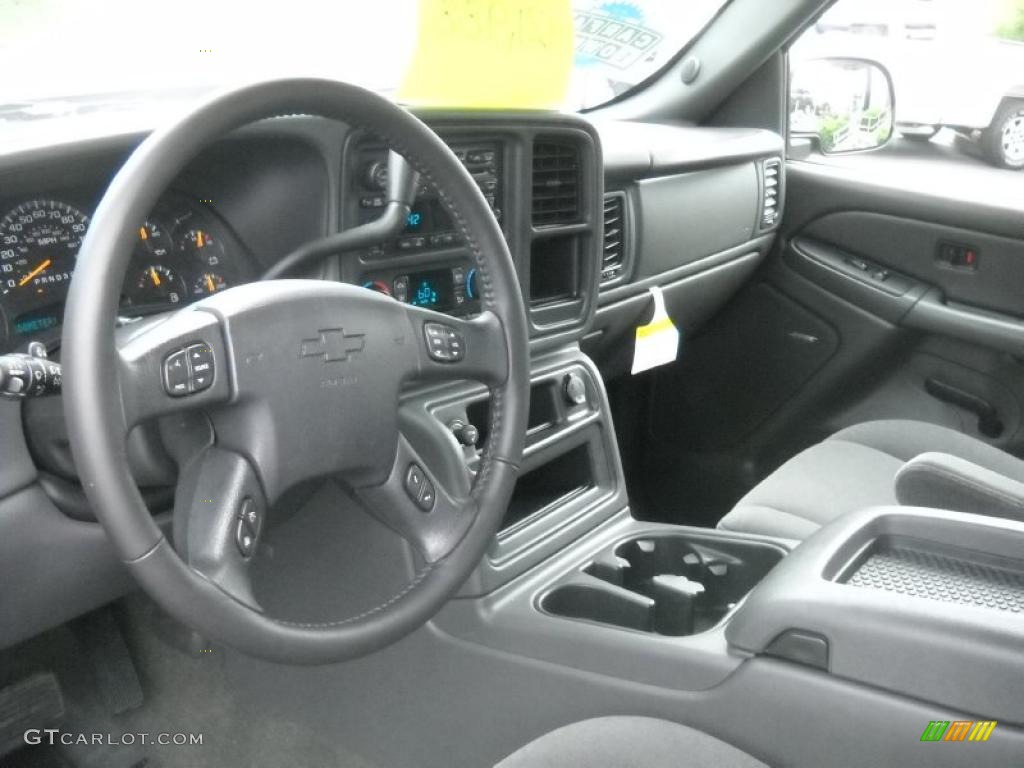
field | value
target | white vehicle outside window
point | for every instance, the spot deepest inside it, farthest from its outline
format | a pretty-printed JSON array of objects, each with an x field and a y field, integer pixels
[{"x": 955, "y": 64}]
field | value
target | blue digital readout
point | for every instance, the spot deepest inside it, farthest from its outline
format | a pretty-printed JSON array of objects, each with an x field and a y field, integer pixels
[
  {"x": 425, "y": 295},
  {"x": 36, "y": 324},
  {"x": 433, "y": 289},
  {"x": 413, "y": 220}
]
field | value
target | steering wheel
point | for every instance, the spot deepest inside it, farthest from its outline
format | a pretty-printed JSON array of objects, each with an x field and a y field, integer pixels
[{"x": 269, "y": 384}]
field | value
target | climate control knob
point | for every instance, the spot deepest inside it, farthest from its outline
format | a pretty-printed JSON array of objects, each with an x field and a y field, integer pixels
[{"x": 378, "y": 285}]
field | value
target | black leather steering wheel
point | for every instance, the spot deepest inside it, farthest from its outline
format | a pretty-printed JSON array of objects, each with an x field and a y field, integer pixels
[{"x": 303, "y": 381}]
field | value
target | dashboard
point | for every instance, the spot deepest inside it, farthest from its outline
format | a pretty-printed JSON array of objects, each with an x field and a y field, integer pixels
[
  {"x": 182, "y": 253},
  {"x": 594, "y": 216}
]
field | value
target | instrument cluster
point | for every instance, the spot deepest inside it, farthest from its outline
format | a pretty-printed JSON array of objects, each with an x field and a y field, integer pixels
[{"x": 182, "y": 253}]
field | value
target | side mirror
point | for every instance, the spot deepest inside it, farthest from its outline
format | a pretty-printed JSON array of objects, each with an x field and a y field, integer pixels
[{"x": 847, "y": 104}]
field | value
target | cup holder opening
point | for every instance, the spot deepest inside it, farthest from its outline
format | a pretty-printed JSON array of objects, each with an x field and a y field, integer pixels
[{"x": 674, "y": 585}]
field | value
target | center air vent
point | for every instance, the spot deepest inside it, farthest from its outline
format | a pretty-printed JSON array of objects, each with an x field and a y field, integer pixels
[
  {"x": 556, "y": 183},
  {"x": 771, "y": 174},
  {"x": 614, "y": 236}
]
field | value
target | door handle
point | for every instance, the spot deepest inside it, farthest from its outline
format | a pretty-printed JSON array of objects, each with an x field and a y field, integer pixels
[{"x": 989, "y": 423}]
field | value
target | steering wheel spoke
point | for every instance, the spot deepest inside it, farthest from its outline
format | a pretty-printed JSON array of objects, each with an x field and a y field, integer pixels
[
  {"x": 171, "y": 363},
  {"x": 412, "y": 501},
  {"x": 219, "y": 516},
  {"x": 455, "y": 348}
]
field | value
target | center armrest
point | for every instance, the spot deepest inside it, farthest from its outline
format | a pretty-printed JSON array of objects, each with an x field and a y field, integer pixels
[
  {"x": 886, "y": 596},
  {"x": 942, "y": 481}
]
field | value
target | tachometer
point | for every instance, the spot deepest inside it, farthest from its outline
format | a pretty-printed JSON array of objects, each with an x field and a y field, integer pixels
[{"x": 39, "y": 241}]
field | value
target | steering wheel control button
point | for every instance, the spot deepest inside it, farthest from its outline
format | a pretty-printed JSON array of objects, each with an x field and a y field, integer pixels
[
  {"x": 414, "y": 480},
  {"x": 427, "y": 496},
  {"x": 251, "y": 516},
  {"x": 200, "y": 367},
  {"x": 419, "y": 488},
  {"x": 245, "y": 540},
  {"x": 444, "y": 343},
  {"x": 176, "y": 374},
  {"x": 189, "y": 370},
  {"x": 250, "y": 523}
]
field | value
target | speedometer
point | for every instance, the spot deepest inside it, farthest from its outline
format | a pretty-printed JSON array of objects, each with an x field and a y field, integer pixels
[{"x": 39, "y": 241}]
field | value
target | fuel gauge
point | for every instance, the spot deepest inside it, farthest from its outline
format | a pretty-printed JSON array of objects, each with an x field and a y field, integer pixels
[{"x": 157, "y": 285}]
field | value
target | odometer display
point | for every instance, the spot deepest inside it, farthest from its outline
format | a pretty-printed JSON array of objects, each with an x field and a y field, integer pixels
[{"x": 39, "y": 241}]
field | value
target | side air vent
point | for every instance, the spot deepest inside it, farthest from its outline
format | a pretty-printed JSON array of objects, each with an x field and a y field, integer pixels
[
  {"x": 771, "y": 172},
  {"x": 613, "y": 258},
  {"x": 556, "y": 183}
]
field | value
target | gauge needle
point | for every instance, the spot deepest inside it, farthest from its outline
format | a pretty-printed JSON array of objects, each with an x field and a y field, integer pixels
[
  {"x": 209, "y": 284},
  {"x": 143, "y": 235},
  {"x": 41, "y": 268},
  {"x": 154, "y": 275},
  {"x": 199, "y": 239}
]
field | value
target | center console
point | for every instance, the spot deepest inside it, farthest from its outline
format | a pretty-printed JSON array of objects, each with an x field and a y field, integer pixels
[{"x": 878, "y": 599}]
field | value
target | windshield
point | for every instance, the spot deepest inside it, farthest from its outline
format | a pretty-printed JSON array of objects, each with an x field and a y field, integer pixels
[{"x": 68, "y": 50}]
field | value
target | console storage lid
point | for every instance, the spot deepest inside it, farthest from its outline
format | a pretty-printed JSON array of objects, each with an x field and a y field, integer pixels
[{"x": 922, "y": 602}]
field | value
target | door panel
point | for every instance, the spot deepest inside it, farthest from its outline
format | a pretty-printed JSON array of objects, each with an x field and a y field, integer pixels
[
  {"x": 951, "y": 356},
  {"x": 994, "y": 278},
  {"x": 908, "y": 336}
]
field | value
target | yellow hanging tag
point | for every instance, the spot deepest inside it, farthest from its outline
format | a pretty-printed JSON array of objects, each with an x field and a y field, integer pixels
[
  {"x": 657, "y": 343},
  {"x": 507, "y": 54}
]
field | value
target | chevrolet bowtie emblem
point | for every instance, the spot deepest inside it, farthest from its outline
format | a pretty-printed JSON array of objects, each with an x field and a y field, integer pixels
[{"x": 333, "y": 345}]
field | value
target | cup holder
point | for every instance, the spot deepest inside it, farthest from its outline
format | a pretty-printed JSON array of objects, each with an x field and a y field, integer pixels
[{"x": 673, "y": 584}]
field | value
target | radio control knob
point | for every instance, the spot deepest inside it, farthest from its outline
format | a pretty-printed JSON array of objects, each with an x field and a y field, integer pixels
[{"x": 575, "y": 389}]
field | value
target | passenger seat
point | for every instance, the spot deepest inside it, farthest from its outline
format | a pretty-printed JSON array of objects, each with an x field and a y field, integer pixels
[{"x": 881, "y": 463}]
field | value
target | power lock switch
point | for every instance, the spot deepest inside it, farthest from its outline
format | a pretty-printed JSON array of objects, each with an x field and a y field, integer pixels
[
  {"x": 189, "y": 370},
  {"x": 959, "y": 256}
]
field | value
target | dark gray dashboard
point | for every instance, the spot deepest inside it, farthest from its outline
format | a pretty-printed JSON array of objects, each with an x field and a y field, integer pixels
[
  {"x": 695, "y": 212},
  {"x": 279, "y": 184}
]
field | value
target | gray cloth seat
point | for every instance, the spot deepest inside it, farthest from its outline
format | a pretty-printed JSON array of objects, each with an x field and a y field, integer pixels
[
  {"x": 628, "y": 742},
  {"x": 853, "y": 469}
]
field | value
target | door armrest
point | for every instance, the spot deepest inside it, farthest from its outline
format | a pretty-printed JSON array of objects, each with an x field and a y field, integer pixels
[{"x": 941, "y": 481}]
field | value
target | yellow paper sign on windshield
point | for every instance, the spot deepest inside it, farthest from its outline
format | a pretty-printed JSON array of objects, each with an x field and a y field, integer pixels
[{"x": 512, "y": 54}]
